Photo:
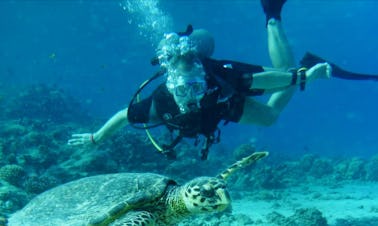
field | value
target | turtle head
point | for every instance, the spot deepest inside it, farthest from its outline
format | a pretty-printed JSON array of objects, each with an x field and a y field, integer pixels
[{"x": 206, "y": 194}]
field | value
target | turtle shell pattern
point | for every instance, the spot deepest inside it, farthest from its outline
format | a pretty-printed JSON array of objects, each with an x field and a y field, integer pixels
[{"x": 80, "y": 201}]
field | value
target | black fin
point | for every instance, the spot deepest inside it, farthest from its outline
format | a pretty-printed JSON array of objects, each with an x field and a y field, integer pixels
[
  {"x": 310, "y": 60},
  {"x": 189, "y": 30},
  {"x": 154, "y": 61},
  {"x": 272, "y": 8}
]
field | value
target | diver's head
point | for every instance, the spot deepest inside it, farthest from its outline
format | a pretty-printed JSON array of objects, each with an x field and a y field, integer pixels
[
  {"x": 186, "y": 82},
  {"x": 181, "y": 56},
  {"x": 203, "y": 41},
  {"x": 199, "y": 43}
]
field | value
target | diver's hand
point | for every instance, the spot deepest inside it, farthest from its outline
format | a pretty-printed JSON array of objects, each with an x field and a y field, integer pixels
[
  {"x": 82, "y": 139},
  {"x": 321, "y": 70}
]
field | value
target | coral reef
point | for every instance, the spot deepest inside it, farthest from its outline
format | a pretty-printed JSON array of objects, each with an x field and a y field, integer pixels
[
  {"x": 36, "y": 185},
  {"x": 301, "y": 217},
  {"x": 271, "y": 178},
  {"x": 226, "y": 219},
  {"x": 131, "y": 150},
  {"x": 45, "y": 102},
  {"x": 352, "y": 169},
  {"x": 321, "y": 167},
  {"x": 373, "y": 221},
  {"x": 13, "y": 174},
  {"x": 306, "y": 162},
  {"x": 372, "y": 169},
  {"x": 243, "y": 150},
  {"x": 11, "y": 198}
]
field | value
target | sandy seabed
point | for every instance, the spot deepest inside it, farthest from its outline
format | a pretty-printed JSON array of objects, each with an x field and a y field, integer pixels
[{"x": 346, "y": 202}]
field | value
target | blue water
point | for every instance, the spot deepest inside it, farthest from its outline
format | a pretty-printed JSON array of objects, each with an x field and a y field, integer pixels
[{"x": 99, "y": 52}]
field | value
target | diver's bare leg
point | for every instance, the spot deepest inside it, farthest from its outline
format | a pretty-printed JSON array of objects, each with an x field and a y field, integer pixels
[
  {"x": 282, "y": 57},
  {"x": 279, "y": 49}
]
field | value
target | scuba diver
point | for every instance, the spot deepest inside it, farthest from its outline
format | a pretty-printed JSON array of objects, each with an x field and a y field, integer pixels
[{"x": 201, "y": 92}]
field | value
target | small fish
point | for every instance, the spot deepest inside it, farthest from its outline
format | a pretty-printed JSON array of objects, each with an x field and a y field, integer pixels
[{"x": 52, "y": 56}]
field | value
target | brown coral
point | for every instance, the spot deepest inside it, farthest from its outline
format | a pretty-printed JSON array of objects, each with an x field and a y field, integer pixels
[{"x": 13, "y": 174}]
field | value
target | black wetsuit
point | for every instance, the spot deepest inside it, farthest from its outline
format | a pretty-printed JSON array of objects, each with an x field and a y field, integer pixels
[{"x": 228, "y": 84}]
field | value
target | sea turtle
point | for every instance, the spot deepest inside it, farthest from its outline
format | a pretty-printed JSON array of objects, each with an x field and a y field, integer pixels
[{"x": 129, "y": 199}]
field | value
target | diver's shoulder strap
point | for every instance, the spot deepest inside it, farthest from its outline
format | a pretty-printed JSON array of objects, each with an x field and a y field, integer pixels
[
  {"x": 311, "y": 59},
  {"x": 165, "y": 104}
]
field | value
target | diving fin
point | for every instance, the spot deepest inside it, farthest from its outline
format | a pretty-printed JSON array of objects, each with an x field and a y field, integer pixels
[
  {"x": 272, "y": 8},
  {"x": 187, "y": 32},
  {"x": 310, "y": 60}
]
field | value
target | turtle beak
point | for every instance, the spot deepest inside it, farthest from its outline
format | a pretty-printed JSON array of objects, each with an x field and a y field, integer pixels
[{"x": 224, "y": 199}]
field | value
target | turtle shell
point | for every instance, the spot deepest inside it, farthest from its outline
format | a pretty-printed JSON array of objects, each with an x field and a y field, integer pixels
[{"x": 82, "y": 201}]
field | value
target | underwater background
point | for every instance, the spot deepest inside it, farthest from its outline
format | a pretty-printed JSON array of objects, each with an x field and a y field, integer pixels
[
  {"x": 67, "y": 66},
  {"x": 99, "y": 52}
]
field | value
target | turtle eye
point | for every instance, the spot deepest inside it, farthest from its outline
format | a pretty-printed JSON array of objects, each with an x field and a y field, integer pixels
[{"x": 207, "y": 191}]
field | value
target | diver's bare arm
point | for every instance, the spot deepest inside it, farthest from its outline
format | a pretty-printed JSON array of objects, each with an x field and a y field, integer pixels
[{"x": 116, "y": 122}]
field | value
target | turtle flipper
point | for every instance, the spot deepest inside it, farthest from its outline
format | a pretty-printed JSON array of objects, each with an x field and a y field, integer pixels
[
  {"x": 114, "y": 213},
  {"x": 119, "y": 211},
  {"x": 136, "y": 218},
  {"x": 246, "y": 161}
]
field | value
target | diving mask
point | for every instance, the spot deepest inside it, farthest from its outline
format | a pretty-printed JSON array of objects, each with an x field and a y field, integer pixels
[
  {"x": 192, "y": 88},
  {"x": 188, "y": 93}
]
